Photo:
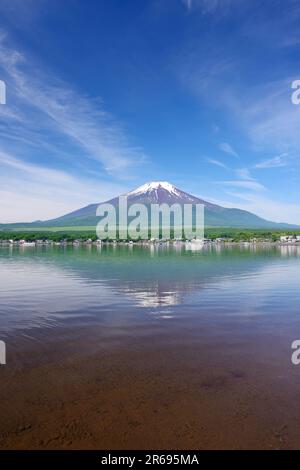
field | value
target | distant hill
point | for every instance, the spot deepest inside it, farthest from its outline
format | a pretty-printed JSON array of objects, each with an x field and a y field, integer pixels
[{"x": 159, "y": 193}]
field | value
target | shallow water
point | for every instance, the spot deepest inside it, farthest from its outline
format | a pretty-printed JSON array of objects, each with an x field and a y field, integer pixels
[{"x": 196, "y": 342}]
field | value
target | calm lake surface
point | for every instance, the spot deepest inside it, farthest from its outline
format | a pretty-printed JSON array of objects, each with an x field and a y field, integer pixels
[
  {"x": 126, "y": 347},
  {"x": 125, "y": 286}
]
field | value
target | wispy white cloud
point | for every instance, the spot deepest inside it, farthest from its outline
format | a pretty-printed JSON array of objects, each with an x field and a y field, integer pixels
[
  {"x": 36, "y": 171},
  {"x": 188, "y": 4},
  {"x": 256, "y": 107},
  {"x": 266, "y": 207},
  {"x": 276, "y": 162},
  {"x": 64, "y": 110},
  {"x": 217, "y": 163},
  {"x": 244, "y": 174},
  {"x": 59, "y": 149},
  {"x": 215, "y": 128},
  {"x": 203, "y": 77},
  {"x": 244, "y": 184},
  {"x": 34, "y": 192},
  {"x": 227, "y": 148},
  {"x": 207, "y": 6},
  {"x": 270, "y": 118},
  {"x": 262, "y": 111},
  {"x": 258, "y": 203}
]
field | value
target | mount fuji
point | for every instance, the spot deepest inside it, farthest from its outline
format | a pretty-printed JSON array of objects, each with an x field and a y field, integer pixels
[{"x": 158, "y": 193}]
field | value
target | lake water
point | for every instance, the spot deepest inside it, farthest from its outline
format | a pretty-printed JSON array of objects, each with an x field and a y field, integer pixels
[
  {"x": 157, "y": 347},
  {"x": 123, "y": 286}
]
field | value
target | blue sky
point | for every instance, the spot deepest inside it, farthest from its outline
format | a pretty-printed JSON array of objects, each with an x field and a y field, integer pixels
[{"x": 103, "y": 96}]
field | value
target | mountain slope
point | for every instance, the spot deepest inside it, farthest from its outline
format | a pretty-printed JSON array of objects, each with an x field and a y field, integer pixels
[{"x": 164, "y": 192}]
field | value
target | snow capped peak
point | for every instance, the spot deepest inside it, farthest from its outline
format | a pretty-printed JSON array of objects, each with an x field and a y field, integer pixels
[
  {"x": 159, "y": 192},
  {"x": 154, "y": 185}
]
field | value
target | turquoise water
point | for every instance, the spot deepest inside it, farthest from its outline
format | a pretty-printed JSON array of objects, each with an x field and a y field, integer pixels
[{"x": 146, "y": 287}]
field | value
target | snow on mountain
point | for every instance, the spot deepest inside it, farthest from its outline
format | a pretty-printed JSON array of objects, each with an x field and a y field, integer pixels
[
  {"x": 154, "y": 186},
  {"x": 160, "y": 192}
]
